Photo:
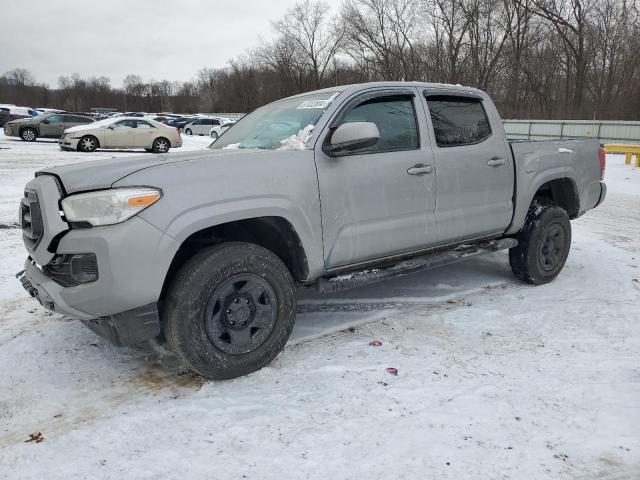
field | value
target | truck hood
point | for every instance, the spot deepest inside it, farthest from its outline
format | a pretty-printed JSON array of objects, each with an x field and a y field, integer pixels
[{"x": 100, "y": 174}]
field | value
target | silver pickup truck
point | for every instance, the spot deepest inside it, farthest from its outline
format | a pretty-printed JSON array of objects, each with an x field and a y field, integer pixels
[{"x": 332, "y": 189}]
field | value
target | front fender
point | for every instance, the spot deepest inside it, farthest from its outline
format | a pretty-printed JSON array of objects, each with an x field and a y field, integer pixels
[{"x": 209, "y": 192}]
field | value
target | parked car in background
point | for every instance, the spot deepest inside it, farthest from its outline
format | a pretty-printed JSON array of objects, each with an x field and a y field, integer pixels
[
  {"x": 31, "y": 112},
  {"x": 47, "y": 125},
  {"x": 134, "y": 114},
  {"x": 203, "y": 125},
  {"x": 5, "y": 116},
  {"x": 42, "y": 110},
  {"x": 216, "y": 131},
  {"x": 180, "y": 123},
  {"x": 162, "y": 119},
  {"x": 121, "y": 132}
]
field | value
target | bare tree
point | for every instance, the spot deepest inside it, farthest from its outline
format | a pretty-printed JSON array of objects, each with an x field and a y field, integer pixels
[
  {"x": 381, "y": 37},
  {"x": 307, "y": 28}
]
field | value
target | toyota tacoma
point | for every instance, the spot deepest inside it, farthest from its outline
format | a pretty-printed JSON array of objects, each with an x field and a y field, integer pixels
[{"x": 331, "y": 189}]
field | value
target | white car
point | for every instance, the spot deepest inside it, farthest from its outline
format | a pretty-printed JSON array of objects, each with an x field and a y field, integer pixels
[
  {"x": 215, "y": 132},
  {"x": 203, "y": 125},
  {"x": 121, "y": 132}
]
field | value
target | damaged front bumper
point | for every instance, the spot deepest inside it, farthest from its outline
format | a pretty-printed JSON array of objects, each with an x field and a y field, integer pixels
[{"x": 122, "y": 329}]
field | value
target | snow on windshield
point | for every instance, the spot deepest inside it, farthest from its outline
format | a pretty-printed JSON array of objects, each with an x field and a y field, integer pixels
[
  {"x": 299, "y": 140},
  {"x": 283, "y": 125}
]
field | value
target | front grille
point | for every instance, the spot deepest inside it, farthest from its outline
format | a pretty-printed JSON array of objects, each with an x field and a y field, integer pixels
[{"x": 31, "y": 220}]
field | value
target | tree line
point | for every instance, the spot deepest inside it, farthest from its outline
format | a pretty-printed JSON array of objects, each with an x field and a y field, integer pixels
[{"x": 537, "y": 58}]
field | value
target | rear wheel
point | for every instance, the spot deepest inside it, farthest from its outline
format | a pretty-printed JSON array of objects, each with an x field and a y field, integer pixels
[
  {"x": 88, "y": 143},
  {"x": 160, "y": 145},
  {"x": 543, "y": 245},
  {"x": 230, "y": 310},
  {"x": 28, "y": 134}
]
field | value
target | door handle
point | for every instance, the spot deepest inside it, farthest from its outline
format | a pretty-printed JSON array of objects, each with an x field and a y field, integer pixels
[
  {"x": 496, "y": 162},
  {"x": 420, "y": 169}
]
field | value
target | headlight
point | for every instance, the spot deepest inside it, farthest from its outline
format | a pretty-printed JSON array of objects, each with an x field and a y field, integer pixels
[{"x": 107, "y": 207}]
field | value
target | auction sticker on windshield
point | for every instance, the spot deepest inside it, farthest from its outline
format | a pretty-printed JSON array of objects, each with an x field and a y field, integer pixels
[{"x": 314, "y": 104}]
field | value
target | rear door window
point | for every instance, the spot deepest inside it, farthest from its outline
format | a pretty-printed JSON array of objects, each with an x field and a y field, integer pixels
[{"x": 458, "y": 120}]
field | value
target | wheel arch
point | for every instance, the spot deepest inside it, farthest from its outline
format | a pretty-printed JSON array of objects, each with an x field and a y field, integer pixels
[
  {"x": 274, "y": 233},
  {"x": 561, "y": 192},
  {"x": 90, "y": 135},
  {"x": 556, "y": 190},
  {"x": 32, "y": 127},
  {"x": 161, "y": 137}
]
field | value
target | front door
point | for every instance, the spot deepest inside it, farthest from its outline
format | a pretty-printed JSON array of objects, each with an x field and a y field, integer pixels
[
  {"x": 374, "y": 201},
  {"x": 52, "y": 126},
  {"x": 121, "y": 135},
  {"x": 474, "y": 170}
]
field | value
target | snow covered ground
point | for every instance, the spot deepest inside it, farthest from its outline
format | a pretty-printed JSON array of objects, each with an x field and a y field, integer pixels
[{"x": 495, "y": 379}]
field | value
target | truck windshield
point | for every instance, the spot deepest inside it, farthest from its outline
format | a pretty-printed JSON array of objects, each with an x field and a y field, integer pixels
[{"x": 283, "y": 125}]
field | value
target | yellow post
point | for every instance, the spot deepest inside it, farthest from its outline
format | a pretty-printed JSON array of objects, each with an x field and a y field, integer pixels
[{"x": 628, "y": 149}]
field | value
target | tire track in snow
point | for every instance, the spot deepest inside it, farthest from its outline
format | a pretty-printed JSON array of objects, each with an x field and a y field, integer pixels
[{"x": 423, "y": 306}]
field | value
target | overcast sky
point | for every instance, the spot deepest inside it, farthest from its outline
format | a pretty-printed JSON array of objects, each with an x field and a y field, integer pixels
[{"x": 159, "y": 39}]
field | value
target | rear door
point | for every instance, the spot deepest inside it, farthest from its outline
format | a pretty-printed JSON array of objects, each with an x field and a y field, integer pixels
[
  {"x": 374, "y": 204},
  {"x": 52, "y": 126},
  {"x": 474, "y": 170},
  {"x": 145, "y": 133}
]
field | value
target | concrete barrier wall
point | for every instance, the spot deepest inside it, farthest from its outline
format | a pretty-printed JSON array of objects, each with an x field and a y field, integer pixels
[{"x": 606, "y": 131}]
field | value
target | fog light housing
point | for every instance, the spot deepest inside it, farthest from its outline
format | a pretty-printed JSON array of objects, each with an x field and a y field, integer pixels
[{"x": 73, "y": 269}]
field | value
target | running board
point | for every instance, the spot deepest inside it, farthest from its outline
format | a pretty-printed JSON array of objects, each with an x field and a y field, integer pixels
[{"x": 415, "y": 264}]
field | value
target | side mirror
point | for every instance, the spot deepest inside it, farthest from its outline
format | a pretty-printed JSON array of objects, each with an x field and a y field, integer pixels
[
  {"x": 111, "y": 127},
  {"x": 350, "y": 137},
  {"x": 45, "y": 121}
]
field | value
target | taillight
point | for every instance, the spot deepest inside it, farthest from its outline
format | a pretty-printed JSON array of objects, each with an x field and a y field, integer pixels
[{"x": 602, "y": 156}]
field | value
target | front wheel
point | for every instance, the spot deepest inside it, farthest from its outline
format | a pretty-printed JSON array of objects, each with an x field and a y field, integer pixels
[
  {"x": 87, "y": 144},
  {"x": 160, "y": 145},
  {"x": 188, "y": 131},
  {"x": 214, "y": 135},
  {"x": 543, "y": 245},
  {"x": 28, "y": 135},
  {"x": 230, "y": 310}
]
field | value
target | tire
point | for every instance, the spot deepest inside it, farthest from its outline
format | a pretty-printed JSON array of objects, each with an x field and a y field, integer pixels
[
  {"x": 28, "y": 134},
  {"x": 214, "y": 136},
  {"x": 188, "y": 131},
  {"x": 88, "y": 143},
  {"x": 160, "y": 145},
  {"x": 230, "y": 310},
  {"x": 543, "y": 245}
]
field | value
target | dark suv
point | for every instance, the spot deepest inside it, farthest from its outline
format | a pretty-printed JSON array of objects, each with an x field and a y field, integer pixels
[
  {"x": 5, "y": 116},
  {"x": 48, "y": 125}
]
